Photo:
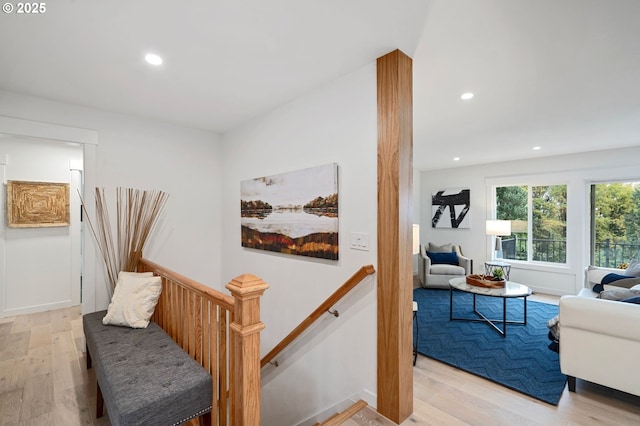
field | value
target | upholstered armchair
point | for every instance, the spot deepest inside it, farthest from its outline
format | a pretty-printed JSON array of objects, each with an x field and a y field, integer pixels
[{"x": 438, "y": 264}]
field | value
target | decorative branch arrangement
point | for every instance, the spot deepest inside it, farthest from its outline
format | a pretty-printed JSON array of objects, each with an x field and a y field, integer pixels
[{"x": 137, "y": 214}]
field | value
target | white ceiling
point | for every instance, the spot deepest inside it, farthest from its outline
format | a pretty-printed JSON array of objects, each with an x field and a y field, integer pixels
[{"x": 560, "y": 74}]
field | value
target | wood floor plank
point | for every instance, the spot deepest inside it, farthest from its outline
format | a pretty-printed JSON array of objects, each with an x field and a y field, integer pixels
[
  {"x": 6, "y": 367},
  {"x": 45, "y": 419},
  {"x": 21, "y": 323},
  {"x": 14, "y": 373},
  {"x": 71, "y": 407},
  {"x": 10, "y": 404},
  {"x": 39, "y": 360},
  {"x": 37, "y": 397},
  {"x": 425, "y": 414},
  {"x": 41, "y": 318},
  {"x": 67, "y": 375},
  {"x": 5, "y": 328},
  {"x": 61, "y": 320},
  {"x": 16, "y": 345},
  {"x": 40, "y": 336},
  {"x": 64, "y": 344}
]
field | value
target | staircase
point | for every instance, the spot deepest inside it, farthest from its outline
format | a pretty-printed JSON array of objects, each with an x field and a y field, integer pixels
[{"x": 357, "y": 414}]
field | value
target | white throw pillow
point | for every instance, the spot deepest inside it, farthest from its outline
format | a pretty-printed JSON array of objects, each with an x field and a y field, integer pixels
[
  {"x": 633, "y": 270},
  {"x": 133, "y": 301},
  {"x": 134, "y": 274}
]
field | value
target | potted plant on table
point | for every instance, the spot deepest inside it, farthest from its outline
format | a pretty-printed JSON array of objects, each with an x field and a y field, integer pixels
[{"x": 498, "y": 274}]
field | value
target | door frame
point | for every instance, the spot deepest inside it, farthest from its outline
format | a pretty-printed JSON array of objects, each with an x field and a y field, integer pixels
[{"x": 89, "y": 140}]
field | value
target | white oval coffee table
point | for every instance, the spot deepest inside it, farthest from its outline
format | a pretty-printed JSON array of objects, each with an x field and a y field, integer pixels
[{"x": 511, "y": 290}]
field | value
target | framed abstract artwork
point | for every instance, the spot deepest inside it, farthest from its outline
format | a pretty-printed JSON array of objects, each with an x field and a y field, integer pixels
[
  {"x": 293, "y": 213},
  {"x": 37, "y": 204},
  {"x": 450, "y": 208}
]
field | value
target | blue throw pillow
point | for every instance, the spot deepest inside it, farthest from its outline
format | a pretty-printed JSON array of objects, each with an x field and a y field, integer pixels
[
  {"x": 634, "y": 299},
  {"x": 443, "y": 258},
  {"x": 609, "y": 278}
]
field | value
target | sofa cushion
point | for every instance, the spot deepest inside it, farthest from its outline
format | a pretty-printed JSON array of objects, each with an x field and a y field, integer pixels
[
  {"x": 443, "y": 258},
  {"x": 612, "y": 277},
  {"x": 445, "y": 248},
  {"x": 613, "y": 281},
  {"x": 633, "y": 270},
  {"x": 445, "y": 269},
  {"x": 619, "y": 294},
  {"x": 595, "y": 274}
]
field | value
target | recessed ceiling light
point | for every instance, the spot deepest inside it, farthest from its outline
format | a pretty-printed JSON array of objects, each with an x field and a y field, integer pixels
[
  {"x": 456, "y": 158},
  {"x": 153, "y": 59},
  {"x": 536, "y": 148},
  {"x": 466, "y": 96}
]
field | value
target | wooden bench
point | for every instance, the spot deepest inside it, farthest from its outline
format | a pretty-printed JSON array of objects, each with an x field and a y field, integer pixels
[{"x": 144, "y": 377}]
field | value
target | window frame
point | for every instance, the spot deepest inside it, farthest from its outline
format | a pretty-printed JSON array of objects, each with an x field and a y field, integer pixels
[
  {"x": 591, "y": 209},
  {"x": 530, "y": 223}
]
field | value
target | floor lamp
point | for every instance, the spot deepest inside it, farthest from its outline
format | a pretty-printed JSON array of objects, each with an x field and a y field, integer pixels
[
  {"x": 415, "y": 249},
  {"x": 416, "y": 238},
  {"x": 498, "y": 228}
]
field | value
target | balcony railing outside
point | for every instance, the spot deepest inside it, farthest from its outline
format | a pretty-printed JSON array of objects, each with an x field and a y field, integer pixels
[
  {"x": 611, "y": 255},
  {"x": 607, "y": 254}
]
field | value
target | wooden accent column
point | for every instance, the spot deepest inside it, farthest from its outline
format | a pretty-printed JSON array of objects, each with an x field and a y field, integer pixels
[
  {"x": 245, "y": 349},
  {"x": 395, "y": 268}
]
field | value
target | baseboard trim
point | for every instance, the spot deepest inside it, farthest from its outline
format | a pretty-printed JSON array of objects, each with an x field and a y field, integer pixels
[{"x": 35, "y": 309}]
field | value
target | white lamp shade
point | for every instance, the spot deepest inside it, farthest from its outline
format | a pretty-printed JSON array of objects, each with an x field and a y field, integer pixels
[
  {"x": 416, "y": 238},
  {"x": 498, "y": 227}
]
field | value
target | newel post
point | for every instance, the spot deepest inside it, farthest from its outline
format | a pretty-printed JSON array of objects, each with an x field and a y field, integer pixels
[{"x": 245, "y": 349}]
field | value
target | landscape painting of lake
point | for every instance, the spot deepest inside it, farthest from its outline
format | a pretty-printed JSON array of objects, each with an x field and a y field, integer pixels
[{"x": 293, "y": 213}]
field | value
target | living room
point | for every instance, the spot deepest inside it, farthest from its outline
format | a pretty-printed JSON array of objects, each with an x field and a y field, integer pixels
[
  {"x": 331, "y": 121},
  {"x": 577, "y": 171}
]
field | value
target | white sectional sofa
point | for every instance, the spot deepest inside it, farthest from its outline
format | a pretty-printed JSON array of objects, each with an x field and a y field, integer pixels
[{"x": 599, "y": 339}]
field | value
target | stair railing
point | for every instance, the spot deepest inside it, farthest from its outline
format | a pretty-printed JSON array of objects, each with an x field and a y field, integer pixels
[
  {"x": 221, "y": 332},
  {"x": 325, "y": 307}
]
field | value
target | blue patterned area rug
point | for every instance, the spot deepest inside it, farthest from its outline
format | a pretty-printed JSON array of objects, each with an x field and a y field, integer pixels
[{"x": 522, "y": 361}]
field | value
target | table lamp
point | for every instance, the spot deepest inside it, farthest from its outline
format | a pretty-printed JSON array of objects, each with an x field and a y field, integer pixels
[{"x": 498, "y": 228}]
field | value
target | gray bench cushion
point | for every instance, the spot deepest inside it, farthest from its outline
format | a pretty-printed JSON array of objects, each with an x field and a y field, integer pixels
[{"x": 145, "y": 378}]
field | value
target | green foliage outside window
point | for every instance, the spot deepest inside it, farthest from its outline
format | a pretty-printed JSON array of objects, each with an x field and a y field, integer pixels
[
  {"x": 549, "y": 221},
  {"x": 616, "y": 216}
]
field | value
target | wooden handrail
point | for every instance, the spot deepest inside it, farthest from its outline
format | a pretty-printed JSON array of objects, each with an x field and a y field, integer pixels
[
  {"x": 221, "y": 299},
  {"x": 361, "y": 274}
]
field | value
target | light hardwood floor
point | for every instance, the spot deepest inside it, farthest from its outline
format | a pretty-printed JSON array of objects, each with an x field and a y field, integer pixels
[
  {"x": 43, "y": 378},
  {"x": 44, "y": 381},
  {"x": 444, "y": 395}
]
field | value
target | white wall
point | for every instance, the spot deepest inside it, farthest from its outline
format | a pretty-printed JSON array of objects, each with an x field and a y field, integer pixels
[
  {"x": 334, "y": 124},
  {"x": 40, "y": 266},
  {"x": 147, "y": 154},
  {"x": 576, "y": 171}
]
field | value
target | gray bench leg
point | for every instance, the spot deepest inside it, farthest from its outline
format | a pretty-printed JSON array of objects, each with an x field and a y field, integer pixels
[{"x": 99, "y": 402}]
